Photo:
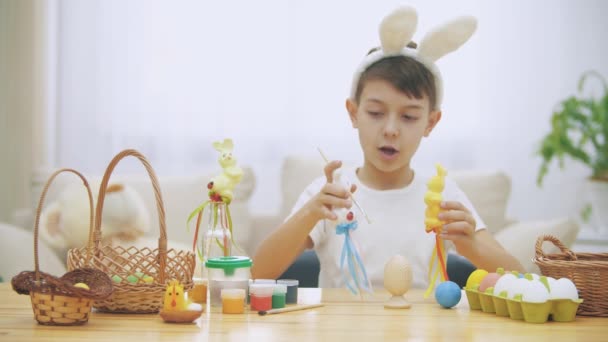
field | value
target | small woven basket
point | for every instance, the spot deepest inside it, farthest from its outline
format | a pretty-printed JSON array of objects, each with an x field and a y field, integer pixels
[
  {"x": 588, "y": 271},
  {"x": 139, "y": 275},
  {"x": 56, "y": 301}
]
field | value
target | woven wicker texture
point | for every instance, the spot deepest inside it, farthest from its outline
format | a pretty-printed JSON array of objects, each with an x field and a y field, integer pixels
[
  {"x": 588, "y": 271},
  {"x": 139, "y": 275},
  {"x": 56, "y": 301}
]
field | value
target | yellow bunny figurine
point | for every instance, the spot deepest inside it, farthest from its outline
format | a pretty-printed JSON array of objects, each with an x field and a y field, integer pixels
[
  {"x": 221, "y": 186},
  {"x": 433, "y": 199}
]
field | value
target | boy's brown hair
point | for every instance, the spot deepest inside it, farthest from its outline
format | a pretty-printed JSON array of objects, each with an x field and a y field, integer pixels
[{"x": 405, "y": 74}]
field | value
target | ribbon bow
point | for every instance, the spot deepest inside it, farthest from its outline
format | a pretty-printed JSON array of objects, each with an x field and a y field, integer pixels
[{"x": 350, "y": 253}]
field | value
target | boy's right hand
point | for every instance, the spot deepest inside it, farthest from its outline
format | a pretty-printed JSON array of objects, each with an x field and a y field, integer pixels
[{"x": 332, "y": 195}]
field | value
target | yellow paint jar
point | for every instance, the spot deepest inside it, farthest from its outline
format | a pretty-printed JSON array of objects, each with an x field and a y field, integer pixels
[
  {"x": 198, "y": 293},
  {"x": 233, "y": 301}
]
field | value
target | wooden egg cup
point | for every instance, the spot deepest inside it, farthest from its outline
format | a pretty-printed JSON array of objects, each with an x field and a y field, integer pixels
[{"x": 397, "y": 281}]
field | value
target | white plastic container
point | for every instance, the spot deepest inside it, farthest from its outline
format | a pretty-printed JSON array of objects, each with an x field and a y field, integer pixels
[{"x": 232, "y": 272}]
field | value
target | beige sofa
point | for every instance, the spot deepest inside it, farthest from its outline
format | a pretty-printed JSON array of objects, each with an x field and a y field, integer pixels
[{"x": 488, "y": 190}]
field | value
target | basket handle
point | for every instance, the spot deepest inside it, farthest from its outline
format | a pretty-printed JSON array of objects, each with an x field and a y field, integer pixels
[
  {"x": 39, "y": 212},
  {"x": 162, "y": 241},
  {"x": 556, "y": 242}
]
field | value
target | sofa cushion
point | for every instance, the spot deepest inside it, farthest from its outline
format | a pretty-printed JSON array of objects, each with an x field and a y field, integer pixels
[
  {"x": 520, "y": 238},
  {"x": 489, "y": 192},
  {"x": 17, "y": 246},
  {"x": 296, "y": 174}
]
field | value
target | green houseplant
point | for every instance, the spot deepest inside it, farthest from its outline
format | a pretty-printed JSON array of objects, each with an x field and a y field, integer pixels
[{"x": 579, "y": 130}]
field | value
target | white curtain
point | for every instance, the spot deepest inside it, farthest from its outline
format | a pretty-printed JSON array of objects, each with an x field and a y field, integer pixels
[
  {"x": 170, "y": 77},
  {"x": 24, "y": 100}
]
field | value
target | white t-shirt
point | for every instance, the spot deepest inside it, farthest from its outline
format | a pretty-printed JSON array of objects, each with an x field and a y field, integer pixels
[{"x": 397, "y": 227}]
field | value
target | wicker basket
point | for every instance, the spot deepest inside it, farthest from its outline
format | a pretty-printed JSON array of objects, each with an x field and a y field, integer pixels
[
  {"x": 139, "y": 275},
  {"x": 56, "y": 301},
  {"x": 588, "y": 271}
]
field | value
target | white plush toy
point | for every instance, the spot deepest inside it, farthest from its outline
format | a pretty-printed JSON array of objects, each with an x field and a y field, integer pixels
[{"x": 64, "y": 223}]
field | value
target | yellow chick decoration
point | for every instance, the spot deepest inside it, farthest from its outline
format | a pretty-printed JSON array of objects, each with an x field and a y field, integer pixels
[
  {"x": 221, "y": 186},
  {"x": 176, "y": 307},
  {"x": 175, "y": 297},
  {"x": 433, "y": 199}
]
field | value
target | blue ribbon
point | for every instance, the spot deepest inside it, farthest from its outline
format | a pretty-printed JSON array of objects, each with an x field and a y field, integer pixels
[{"x": 353, "y": 259}]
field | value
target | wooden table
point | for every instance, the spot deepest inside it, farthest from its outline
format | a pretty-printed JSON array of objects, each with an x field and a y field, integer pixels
[{"x": 344, "y": 317}]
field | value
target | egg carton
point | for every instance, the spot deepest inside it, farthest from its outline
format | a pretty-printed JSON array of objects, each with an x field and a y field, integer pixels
[
  {"x": 558, "y": 310},
  {"x": 531, "y": 302}
]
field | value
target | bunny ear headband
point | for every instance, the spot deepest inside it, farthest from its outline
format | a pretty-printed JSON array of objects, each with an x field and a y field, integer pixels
[{"x": 396, "y": 31}]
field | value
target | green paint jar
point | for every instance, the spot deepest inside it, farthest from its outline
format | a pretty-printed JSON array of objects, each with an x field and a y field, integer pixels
[{"x": 278, "y": 296}]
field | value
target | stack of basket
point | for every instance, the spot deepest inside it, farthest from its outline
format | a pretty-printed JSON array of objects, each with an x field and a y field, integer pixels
[
  {"x": 588, "y": 271},
  {"x": 139, "y": 275},
  {"x": 56, "y": 300}
]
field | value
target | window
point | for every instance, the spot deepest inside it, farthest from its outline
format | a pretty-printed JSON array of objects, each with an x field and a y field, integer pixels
[{"x": 169, "y": 77}]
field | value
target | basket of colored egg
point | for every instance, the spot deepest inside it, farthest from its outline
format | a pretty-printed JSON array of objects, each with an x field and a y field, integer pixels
[
  {"x": 139, "y": 274},
  {"x": 588, "y": 271},
  {"x": 65, "y": 300},
  {"x": 530, "y": 297}
]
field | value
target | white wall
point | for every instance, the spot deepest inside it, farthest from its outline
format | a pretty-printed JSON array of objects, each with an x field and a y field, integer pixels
[
  {"x": 526, "y": 71},
  {"x": 170, "y": 77}
]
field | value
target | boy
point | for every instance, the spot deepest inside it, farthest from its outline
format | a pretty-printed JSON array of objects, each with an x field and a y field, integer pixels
[{"x": 394, "y": 102}]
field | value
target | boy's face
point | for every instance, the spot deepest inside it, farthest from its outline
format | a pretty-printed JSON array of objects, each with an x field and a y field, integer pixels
[{"x": 391, "y": 125}]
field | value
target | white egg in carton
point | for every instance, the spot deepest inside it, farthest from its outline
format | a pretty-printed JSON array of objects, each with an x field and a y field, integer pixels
[{"x": 528, "y": 297}]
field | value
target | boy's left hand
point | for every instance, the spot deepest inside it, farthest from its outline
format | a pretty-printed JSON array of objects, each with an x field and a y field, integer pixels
[{"x": 459, "y": 224}]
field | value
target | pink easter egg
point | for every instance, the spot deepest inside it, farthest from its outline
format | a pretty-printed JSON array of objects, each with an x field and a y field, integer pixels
[{"x": 488, "y": 281}]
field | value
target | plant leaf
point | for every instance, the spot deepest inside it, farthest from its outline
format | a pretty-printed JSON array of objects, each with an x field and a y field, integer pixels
[{"x": 579, "y": 130}]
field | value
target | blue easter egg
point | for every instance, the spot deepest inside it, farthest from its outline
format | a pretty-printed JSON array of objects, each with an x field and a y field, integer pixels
[{"x": 447, "y": 294}]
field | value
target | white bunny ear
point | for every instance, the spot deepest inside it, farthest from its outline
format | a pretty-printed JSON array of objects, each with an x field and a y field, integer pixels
[
  {"x": 218, "y": 146},
  {"x": 397, "y": 29},
  {"x": 226, "y": 145},
  {"x": 447, "y": 38}
]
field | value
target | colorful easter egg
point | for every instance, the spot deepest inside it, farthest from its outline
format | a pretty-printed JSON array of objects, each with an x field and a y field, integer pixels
[
  {"x": 82, "y": 286},
  {"x": 475, "y": 278},
  {"x": 488, "y": 281},
  {"x": 447, "y": 294},
  {"x": 132, "y": 278}
]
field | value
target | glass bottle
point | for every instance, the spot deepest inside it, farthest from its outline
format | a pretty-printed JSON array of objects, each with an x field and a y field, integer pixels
[{"x": 218, "y": 239}]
